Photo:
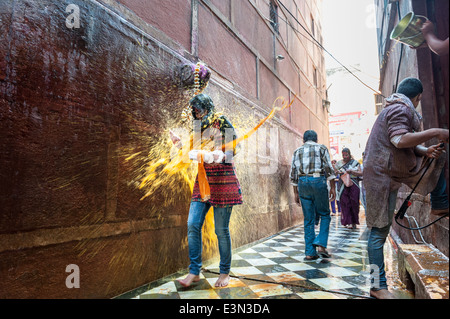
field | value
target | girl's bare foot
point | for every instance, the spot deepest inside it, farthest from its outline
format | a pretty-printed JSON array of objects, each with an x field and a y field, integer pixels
[
  {"x": 186, "y": 282},
  {"x": 223, "y": 280}
]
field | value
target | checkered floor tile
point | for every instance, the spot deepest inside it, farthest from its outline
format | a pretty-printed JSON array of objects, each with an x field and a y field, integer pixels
[{"x": 274, "y": 268}]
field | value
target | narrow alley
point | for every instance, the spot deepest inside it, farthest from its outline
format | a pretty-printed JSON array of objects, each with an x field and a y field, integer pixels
[
  {"x": 118, "y": 116},
  {"x": 274, "y": 268}
]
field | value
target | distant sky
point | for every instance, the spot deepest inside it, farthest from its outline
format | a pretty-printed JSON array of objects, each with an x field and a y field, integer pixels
[{"x": 349, "y": 34}]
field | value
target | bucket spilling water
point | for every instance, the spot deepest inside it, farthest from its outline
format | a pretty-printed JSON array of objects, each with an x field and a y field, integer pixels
[{"x": 408, "y": 30}]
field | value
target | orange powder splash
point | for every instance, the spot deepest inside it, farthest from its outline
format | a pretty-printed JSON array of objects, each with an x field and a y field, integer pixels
[{"x": 202, "y": 180}]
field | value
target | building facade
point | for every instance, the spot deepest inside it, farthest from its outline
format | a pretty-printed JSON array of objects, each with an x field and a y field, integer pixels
[{"x": 88, "y": 93}]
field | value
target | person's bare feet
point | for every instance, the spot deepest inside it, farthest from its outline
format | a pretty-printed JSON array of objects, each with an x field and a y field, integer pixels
[
  {"x": 222, "y": 281},
  {"x": 186, "y": 282},
  {"x": 381, "y": 294}
]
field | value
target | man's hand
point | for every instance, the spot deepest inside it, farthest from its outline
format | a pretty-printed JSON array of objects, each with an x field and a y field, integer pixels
[
  {"x": 435, "y": 151},
  {"x": 438, "y": 46},
  {"x": 427, "y": 27}
]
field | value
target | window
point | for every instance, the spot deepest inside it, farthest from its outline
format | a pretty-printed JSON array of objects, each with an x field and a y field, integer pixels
[
  {"x": 315, "y": 77},
  {"x": 274, "y": 16}
]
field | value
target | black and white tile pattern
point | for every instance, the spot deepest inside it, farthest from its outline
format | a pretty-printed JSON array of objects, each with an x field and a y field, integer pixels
[{"x": 275, "y": 268}]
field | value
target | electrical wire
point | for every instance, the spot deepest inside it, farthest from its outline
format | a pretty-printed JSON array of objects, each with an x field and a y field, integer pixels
[
  {"x": 324, "y": 49},
  {"x": 418, "y": 228},
  {"x": 419, "y": 231},
  {"x": 401, "y": 53}
]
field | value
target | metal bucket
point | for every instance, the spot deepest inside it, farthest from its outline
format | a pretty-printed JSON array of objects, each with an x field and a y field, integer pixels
[{"x": 408, "y": 30}]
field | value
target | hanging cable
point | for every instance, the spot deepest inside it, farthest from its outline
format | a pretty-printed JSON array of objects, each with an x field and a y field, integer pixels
[
  {"x": 401, "y": 53},
  {"x": 324, "y": 49}
]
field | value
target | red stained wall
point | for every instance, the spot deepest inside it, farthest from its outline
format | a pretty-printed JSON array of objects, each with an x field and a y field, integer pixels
[{"x": 83, "y": 111}]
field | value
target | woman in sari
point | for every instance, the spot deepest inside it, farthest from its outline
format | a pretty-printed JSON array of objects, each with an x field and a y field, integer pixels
[{"x": 348, "y": 195}]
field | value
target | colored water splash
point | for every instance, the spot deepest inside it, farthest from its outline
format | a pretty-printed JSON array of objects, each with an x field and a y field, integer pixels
[
  {"x": 162, "y": 170},
  {"x": 167, "y": 168},
  {"x": 275, "y": 109}
]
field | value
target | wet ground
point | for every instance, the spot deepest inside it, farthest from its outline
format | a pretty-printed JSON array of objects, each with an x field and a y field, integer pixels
[{"x": 275, "y": 268}]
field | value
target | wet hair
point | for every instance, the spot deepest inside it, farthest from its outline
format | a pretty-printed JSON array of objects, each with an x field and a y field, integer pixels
[
  {"x": 310, "y": 135},
  {"x": 202, "y": 102},
  {"x": 411, "y": 87}
]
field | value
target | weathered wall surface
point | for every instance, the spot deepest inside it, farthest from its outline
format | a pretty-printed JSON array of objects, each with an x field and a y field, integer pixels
[
  {"x": 75, "y": 104},
  {"x": 85, "y": 111}
]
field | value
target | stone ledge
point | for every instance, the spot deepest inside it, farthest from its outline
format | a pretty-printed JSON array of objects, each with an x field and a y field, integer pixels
[
  {"x": 52, "y": 236},
  {"x": 425, "y": 269}
]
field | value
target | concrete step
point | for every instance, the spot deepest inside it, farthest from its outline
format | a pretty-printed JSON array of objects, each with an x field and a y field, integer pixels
[{"x": 424, "y": 269}]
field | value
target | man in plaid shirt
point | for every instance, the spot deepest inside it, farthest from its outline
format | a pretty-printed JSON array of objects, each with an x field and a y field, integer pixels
[{"x": 310, "y": 170}]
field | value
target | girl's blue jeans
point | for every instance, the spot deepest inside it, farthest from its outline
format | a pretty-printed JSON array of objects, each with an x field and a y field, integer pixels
[{"x": 197, "y": 214}]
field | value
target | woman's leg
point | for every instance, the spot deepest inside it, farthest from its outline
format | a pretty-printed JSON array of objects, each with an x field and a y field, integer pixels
[
  {"x": 197, "y": 213},
  {"x": 354, "y": 198},
  {"x": 333, "y": 206},
  {"x": 221, "y": 224},
  {"x": 345, "y": 207}
]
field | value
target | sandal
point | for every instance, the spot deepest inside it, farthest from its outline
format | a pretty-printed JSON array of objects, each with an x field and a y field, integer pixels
[
  {"x": 310, "y": 258},
  {"x": 324, "y": 253}
]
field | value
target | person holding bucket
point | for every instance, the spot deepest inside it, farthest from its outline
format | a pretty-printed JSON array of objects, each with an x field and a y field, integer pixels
[
  {"x": 394, "y": 156},
  {"x": 440, "y": 47},
  {"x": 417, "y": 31}
]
